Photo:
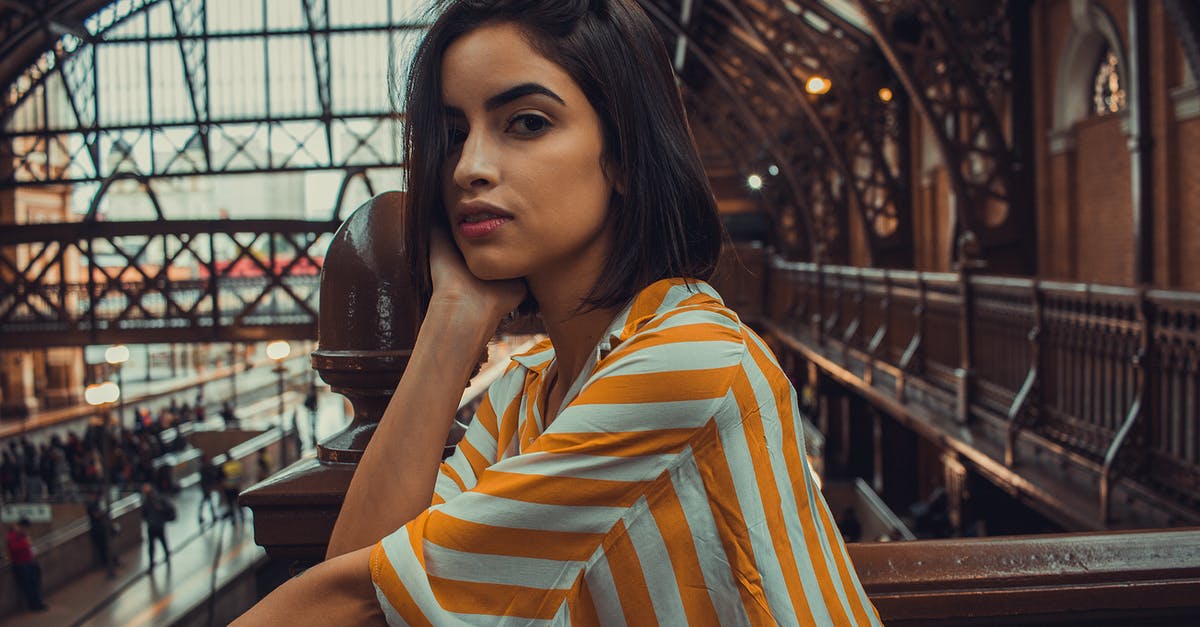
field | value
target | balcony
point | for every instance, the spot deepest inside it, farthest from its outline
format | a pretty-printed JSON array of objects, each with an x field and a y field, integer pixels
[{"x": 919, "y": 345}]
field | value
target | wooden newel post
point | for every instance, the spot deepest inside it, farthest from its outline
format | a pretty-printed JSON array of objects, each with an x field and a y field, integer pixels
[{"x": 368, "y": 325}]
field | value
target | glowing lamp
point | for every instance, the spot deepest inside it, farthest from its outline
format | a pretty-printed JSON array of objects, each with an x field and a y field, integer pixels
[
  {"x": 278, "y": 350},
  {"x": 101, "y": 393},
  {"x": 817, "y": 85},
  {"x": 117, "y": 354}
]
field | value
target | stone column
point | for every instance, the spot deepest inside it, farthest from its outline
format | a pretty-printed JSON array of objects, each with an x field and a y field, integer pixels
[{"x": 19, "y": 397}]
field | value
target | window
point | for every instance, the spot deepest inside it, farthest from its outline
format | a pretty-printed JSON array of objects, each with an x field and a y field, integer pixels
[{"x": 1108, "y": 93}]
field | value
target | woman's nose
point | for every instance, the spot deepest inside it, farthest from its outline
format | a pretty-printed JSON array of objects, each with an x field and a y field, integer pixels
[{"x": 478, "y": 164}]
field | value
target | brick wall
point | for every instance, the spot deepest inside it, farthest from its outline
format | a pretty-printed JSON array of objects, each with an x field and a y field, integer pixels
[
  {"x": 1103, "y": 217},
  {"x": 1187, "y": 182}
]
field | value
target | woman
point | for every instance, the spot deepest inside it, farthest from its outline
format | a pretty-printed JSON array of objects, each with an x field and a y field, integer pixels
[{"x": 643, "y": 464}]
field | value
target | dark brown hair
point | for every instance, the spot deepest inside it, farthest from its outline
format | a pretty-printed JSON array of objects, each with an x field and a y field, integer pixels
[{"x": 665, "y": 220}]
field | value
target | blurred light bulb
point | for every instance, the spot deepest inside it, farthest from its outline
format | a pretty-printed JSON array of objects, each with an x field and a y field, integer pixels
[
  {"x": 279, "y": 349},
  {"x": 117, "y": 354},
  {"x": 817, "y": 85}
]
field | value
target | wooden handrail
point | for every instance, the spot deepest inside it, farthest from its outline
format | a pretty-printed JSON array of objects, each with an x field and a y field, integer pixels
[{"x": 1135, "y": 577}]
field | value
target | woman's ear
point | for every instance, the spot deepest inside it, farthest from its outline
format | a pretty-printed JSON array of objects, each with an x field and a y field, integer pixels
[{"x": 615, "y": 176}]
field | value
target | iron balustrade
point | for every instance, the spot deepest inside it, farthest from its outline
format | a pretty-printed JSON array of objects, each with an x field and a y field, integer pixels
[
  {"x": 193, "y": 280},
  {"x": 1106, "y": 376}
]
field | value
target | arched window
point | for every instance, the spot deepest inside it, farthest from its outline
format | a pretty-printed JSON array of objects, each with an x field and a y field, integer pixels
[{"x": 1108, "y": 91}]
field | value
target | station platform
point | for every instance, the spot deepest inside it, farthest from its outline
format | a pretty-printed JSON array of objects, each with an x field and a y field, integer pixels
[
  {"x": 139, "y": 594},
  {"x": 205, "y": 556}
]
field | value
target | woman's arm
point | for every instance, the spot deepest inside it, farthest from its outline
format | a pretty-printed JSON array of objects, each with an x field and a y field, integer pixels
[
  {"x": 335, "y": 592},
  {"x": 395, "y": 478}
]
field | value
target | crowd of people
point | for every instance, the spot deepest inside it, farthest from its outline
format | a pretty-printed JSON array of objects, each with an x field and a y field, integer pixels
[{"x": 64, "y": 468}]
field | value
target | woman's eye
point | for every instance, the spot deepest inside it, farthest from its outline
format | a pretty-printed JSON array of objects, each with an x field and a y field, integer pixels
[
  {"x": 529, "y": 124},
  {"x": 455, "y": 137}
]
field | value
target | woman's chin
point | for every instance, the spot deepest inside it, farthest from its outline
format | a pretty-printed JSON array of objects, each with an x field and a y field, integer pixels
[{"x": 492, "y": 272}]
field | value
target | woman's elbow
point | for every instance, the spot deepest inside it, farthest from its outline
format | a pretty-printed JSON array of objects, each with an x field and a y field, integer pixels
[{"x": 337, "y": 591}]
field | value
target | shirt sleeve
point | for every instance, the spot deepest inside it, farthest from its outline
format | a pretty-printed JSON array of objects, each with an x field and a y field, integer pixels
[{"x": 514, "y": 543}]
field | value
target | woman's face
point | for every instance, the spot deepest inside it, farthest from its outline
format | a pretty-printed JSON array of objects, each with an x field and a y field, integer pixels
[{"x": 525, "y": 192}]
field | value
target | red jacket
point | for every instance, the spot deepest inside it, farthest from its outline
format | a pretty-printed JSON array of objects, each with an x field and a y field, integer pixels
[{"x": 20, "y": 549}]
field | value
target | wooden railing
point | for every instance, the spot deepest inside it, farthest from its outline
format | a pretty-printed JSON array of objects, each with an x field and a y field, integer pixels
[
  {"x": 1130, "y": 578},
  {"x": 1103, "y": 376}
]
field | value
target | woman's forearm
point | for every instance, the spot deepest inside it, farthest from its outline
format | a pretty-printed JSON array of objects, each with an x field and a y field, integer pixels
[{"x": 395, "y": 478}]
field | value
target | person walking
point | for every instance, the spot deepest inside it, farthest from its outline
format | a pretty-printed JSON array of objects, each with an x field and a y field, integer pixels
[
  {"x": 231, "y": 484},
  {"x": 157, "y": 512},
  {"x": 100, "y": 531},
  {"x": 265, "y": 464},
  {"x": 10, "y": 478},
  {"x": 25, "y": 566},
  {"x": 210, "y": 480}
]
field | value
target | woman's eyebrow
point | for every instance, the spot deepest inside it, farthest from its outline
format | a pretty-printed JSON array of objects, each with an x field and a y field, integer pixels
[
  {"x": 520, "y": 91},
  {"x": 509, "y": 95}
]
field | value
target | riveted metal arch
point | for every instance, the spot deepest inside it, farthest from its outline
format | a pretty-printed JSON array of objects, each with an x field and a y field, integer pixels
[
  {"x": 821, "y": 184},
  {"x": 810, "y": 193},
  {"x": 871, "y": 133},
  {"x": 944, "y": 85},
  {"x": 144, "y": 182},
  {"x": 744, "y": 113},
  {"x": 351, "y": 174},
  {"x": 834, "y": 153},
  {"x": 189, "y": 122}
]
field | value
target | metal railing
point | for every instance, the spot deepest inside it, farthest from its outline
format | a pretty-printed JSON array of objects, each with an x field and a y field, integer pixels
[
  {"x": 194, "y": 280},
  {"x": 1108, "y": 375}
]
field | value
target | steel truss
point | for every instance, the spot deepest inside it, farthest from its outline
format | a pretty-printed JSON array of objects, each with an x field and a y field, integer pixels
[
  {"x": 844, "y": 151},
  {"x": 154, "y": 281},
  {"x": 152, "y": 88},
  {"x": 955, "y": 60}
]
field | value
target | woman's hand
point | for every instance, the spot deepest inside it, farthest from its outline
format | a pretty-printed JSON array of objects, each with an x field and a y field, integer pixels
[{"x": 455, "y": 287}]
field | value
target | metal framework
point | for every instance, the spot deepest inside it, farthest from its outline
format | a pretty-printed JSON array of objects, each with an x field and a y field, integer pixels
[
  {"x": 198, "y": 87},
  {"x": 955, "y": 61},
  {"x": 154, "y": 281},
  {"x": 152, "y": 89}
]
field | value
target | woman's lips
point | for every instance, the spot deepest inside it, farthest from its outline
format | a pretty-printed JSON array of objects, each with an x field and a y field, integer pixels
[{"x": 482, "y": 228}]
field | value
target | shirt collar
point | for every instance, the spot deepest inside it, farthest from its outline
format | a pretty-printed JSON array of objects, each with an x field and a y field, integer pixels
[{"x": 668, "y": 293}]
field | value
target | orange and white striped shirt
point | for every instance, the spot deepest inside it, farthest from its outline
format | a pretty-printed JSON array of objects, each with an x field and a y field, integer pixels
[{"x": 672, "y": 487}]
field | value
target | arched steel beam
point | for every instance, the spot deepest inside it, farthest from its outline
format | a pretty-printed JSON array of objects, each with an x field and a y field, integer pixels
[
  {"x": 723, "y": 83},
  {"x": 863, "y": 123},
  {"x": 800, "y": 97},
  {"x": 808, "y": 167},
  {"x": 942, "y": 83},
  {"x": 351, "y": 174},
  {"x": 94, "y": 206},
  {"x": 30, "y": 30}
]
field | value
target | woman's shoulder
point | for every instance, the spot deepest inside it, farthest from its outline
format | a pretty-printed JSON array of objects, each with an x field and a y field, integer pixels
[
  {"x": 685, "y": 327},
  {"x": 680, "y": 309}
]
